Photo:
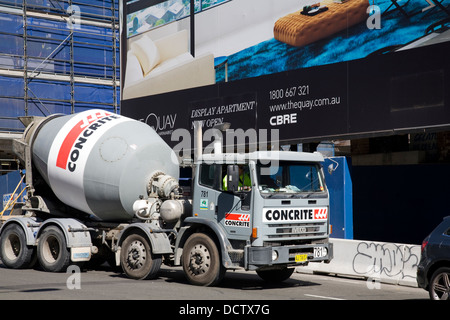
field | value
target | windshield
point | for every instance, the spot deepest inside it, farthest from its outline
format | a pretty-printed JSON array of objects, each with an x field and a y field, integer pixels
[{"x": 289, "y": 177}]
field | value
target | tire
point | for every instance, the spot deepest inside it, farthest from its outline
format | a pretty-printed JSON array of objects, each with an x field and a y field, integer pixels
[
  {"x": 137, "y": 259},
  {"x": 201, "y": 261},
  {"x": 14, "y": 252},
  {"x": 52, "y": 252},
  {"x": 439, "y": 288},
  {"x": 275, "y": 275}
]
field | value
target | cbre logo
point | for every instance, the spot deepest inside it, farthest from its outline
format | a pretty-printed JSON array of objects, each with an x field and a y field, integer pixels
[{"x": 73, "y": 143}]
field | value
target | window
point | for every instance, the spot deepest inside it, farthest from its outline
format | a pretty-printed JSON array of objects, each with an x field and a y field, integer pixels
[
  {"x": 290, "y": 177},
  {"x": 213, "y": 176},
  {"x": 210, "y": 175}
]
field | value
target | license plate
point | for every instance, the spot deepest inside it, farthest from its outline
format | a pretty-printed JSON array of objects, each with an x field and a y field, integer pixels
[
  {"x": 320, "y": 252},
  {"x": 301, "y": 257}
]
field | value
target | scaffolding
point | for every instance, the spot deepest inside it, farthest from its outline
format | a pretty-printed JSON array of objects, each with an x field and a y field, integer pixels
[{"x": 57, "y": 57}]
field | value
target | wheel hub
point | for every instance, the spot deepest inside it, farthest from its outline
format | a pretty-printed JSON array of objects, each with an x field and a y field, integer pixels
[
  {"x": 200, "y": 259},
  {"x": 51, "y": 249},
  {"x": 136, "y": 255}
]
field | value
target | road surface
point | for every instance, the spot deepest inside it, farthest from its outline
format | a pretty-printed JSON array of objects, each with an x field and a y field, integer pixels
[{"x": 105, "y": 284}]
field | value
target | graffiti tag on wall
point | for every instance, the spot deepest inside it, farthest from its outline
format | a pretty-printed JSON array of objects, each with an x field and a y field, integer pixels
[{"x": 386, "y": 260}]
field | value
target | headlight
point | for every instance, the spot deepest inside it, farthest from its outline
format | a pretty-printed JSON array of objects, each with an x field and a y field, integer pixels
[{"x": 274, "y": 255}]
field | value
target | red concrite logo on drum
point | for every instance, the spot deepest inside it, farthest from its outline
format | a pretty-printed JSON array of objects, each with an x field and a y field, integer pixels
[{"x": 77, "y": 136}]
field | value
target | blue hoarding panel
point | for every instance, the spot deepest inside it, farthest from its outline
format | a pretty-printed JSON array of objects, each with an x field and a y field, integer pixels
[
  {"x": 339, "y": 184},
  {"x": 11, "y": 87},
  {"x": 8, "y": 184}
]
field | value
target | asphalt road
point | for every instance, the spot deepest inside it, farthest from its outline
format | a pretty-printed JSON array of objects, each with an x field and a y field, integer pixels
[{"x": 105, "y": 284}]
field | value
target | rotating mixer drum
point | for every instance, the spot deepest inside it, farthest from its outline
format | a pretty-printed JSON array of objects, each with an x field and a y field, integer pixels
[{"x": 99, "y": 162}]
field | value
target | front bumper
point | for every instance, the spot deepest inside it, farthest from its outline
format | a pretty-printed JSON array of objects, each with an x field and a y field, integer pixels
[{"x": 289, "y": 255}]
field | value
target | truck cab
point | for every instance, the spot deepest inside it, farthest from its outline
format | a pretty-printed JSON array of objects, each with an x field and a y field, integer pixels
[{"x": 271, "y": 207}]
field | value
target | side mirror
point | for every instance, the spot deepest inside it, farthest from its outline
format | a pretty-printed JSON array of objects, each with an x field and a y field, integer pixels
[{"x": 232, "y": 177}]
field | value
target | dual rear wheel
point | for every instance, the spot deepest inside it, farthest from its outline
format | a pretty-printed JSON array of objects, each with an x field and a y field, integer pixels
[
  {"x": 51, "y": 251},
  {"x": 53, "y": 255},
  {"x": 14, "y": 251}
]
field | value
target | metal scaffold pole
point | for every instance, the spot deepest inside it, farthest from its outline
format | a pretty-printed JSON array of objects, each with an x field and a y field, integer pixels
[{"x": 25, "y": 58}]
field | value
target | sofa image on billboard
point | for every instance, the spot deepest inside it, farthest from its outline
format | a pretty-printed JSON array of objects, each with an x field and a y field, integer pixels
[{"x": 165, "y": 65}]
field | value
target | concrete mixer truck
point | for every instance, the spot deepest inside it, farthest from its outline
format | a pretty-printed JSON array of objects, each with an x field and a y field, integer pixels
[{"x": 103, "y": 187}]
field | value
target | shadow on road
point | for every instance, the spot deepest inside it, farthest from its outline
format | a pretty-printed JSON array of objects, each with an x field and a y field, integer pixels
[
  {"x": 236, "y": 280},
  {"x": 241, "y": 280}
]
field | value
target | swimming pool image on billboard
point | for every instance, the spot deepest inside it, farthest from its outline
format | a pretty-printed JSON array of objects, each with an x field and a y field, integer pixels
[{"x": 397, "y": 27}]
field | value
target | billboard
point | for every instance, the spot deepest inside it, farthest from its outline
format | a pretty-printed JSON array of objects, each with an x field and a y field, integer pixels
[{"x": 335, "y": 69}]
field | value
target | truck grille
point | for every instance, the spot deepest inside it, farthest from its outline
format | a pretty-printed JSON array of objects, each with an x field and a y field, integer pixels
[{"x": 296, "y": 231}]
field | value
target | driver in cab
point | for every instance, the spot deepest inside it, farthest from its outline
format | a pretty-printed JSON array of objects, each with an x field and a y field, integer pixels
[{"x": 244, "y": 180}]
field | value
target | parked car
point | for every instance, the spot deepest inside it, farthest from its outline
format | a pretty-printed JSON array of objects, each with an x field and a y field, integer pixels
[{"x": 433, "y": 271}]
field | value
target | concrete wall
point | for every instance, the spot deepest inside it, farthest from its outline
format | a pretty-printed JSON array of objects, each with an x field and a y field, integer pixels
[{"x": 379, "y": 262}]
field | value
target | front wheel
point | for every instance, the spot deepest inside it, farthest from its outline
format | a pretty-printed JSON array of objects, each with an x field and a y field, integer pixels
[
  {"x": 201, "y": 261},
  {"x": 137, "y": 259},
  {"x": 440, "y": 284},
  {"x": 275, "y": 275}
]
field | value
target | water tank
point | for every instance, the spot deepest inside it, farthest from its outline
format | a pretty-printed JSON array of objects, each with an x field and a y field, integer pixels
[{"x": 99, "y": 162}]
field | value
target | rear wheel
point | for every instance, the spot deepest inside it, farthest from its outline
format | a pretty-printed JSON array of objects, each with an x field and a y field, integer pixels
[
  {"x": 14, "y": 251},
  {"x": 52, "y": 252},
  {"x": 137, "y": 259},
  {"x": 201, "y": 261},
  {"x": 440, "y": 284},
  {"x": 275, "y": 275}
]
